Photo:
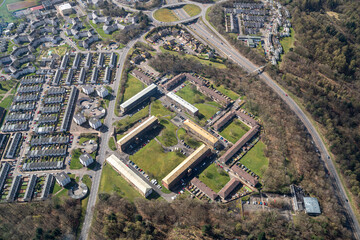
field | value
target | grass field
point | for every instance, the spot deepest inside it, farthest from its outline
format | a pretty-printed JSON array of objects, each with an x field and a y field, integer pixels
[
  {"x": 5, "y": 86},
  {"x": 168, "y": 135},
  {"x": 227, "y": 92},
  {"x": 21, "y": 5},
  {"x": 192, "y": 10},
  {"x": 155, "y": 162},
  {"x": 85, "y": 139},
  {"x": 5, "y": 14},
  {"x": 214, "y": 177},
  {"x": 234, "y": 131},
  {"x": 288, "y": 42},
  {"x": 133, "y": 86},
  {"x": 255, "y": 159},
  {"x": 6, "y": 102},
  {"x": 202, "y": 61},
  {"x": 157, "y": 109},
  {"x": 187, "y": 139},
  {"x": 165, "y": 15},
  {"x": 207, "y": 108},
  {"x": 111, "y": 144},
  {"x": 112, "y": 182},
  {"x": 123, "y": 124},
  {"x": 75, "y": 161}
]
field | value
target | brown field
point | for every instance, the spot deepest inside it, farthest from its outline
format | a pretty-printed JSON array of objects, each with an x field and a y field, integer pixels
[{"x": 21, "y": 5}]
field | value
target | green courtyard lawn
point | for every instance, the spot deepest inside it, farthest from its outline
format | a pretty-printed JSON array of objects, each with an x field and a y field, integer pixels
[
  {"x": 187, "y": 139},
  {"x": 112, "y": 182},
  {"x": 155, "y": 162},
  {"x": 158, "y": 110},
  {"x": 227, "y": 92},
  {"x": 234, "y": 131},
  {"x": 214, "y": 177},
  {"x": 207, "y": 108},
  {"x": 168, "y": 134},
  {"x": 86, "y": 138},
  {"x": 165, "y": 15},
  {"x": 192, "y": 10},
  {"x": 255, "y": 159},
  {"x": 111, "y": 144},
  {"x": 126, "y": 123},
  {"x": 75, "y": 161},
  {"x": 133, "y": 86}
]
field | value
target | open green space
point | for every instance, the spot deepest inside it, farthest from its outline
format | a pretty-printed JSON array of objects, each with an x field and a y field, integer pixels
[
  {"x": 168, "y": 134},
  {"x": 99, "y": 29},
  {"x": 255, "y": 159},
  {"x": 234, "y": 131},
  {"x": 158, "y": 110},
  {"x": 112, "y": 182},
  {"x": 111, "y": 144},
  {"x": 192, "y": 10},
  {"x": 4, "y": 12},
  {"x": 202, "y": 61},
  {"x": 75, "y": 161},
  {"x": 132, "y": 87},
  {"x": 5, "y": 86},
  {"x": 187, "y": 139},
  {"x": 288, "y": 42},
  {"x": 206, "y": 106},
  {"x": 87, "y": 138},
  {"x": 155, "y": 161},
  {"x": 6, "y": 102},
  {"x": 165, "y": 15},
  {"x": 214, "y": 177},
  {"x": 227, "y": 92},
  {"x": 126, "y": 123}
]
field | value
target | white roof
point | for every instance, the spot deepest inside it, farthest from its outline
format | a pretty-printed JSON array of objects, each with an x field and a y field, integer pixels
[
  {"x": 139, "y": 95},
  {"x": 182, "y": 102},
  {"x": 65, "y": 6},
  {"x": 129, "y": 174}
]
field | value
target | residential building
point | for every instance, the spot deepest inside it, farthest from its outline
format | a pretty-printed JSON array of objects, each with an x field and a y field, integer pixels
[
  {"x": 62, "y": 179},
  {"x": 129, "y": 175},
  {"x": 201, "y": 133},
  {"x": 189, "y": 108},
  {"x": 245, "y": 176},
  {"x": 185, "y": 166},
  {"x": 86, "y": 159},
  {"x": 79, "y": 119},
  {"x": 229, "y": 187},
  {"x": 95, "y": 123},
  {"x": 139, "y": 98},
  {"x": 312, "y": 206},
  {"x": 203, "y": 188},
  {"x": 87, "y": 89},
  {"x": 102, "y": 91}
]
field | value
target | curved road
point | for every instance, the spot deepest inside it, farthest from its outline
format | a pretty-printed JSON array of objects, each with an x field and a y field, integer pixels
[{"x": 234, "y": 55}]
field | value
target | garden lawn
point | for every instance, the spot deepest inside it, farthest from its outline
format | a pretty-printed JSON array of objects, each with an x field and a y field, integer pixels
[
  {"x": 168, "y": 134},
  {"x": 182, "y": 135},
  {"x": 288, "y": 42},
  {"x": 255, "y": 159},
  {"x": 124, "y": 124},
  {"x": 85, "y": 139},
  {"x": 157, "y": 109},
  {"x": 75, "y": 161},
  {"x": 6, "y": 102},
  {"x": 234, "y": 131},
  {"x": 207, "y": 110},
  {"x": 4, "y": 12},
  {"x": 191, "y": 9},
  {"x": 165, "y": 15},
  {"x": 111, "y": 144},
  {"x": 214, "y": 177},
  {"x": 155, "y": 162},
  {"x": 133, "y": 86},
  {"x": 112, "y": 182},
  {"x": 227, "y": 92}
]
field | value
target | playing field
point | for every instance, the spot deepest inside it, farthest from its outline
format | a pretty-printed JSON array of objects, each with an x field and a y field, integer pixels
[
  {"x": 214, "y": 177},
  {"x": 155, "y": 162},
  {"x": 255, "y": 159},
  {"x": 21, "y": 5},
  {"x": 165, "y": 15},
  {"x": 234, "y": 131}
]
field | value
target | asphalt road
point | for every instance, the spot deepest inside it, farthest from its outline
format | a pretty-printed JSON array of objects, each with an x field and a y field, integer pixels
[
  {"x": 220, "y": 43},
  {"x": 104, "y": 148}
]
